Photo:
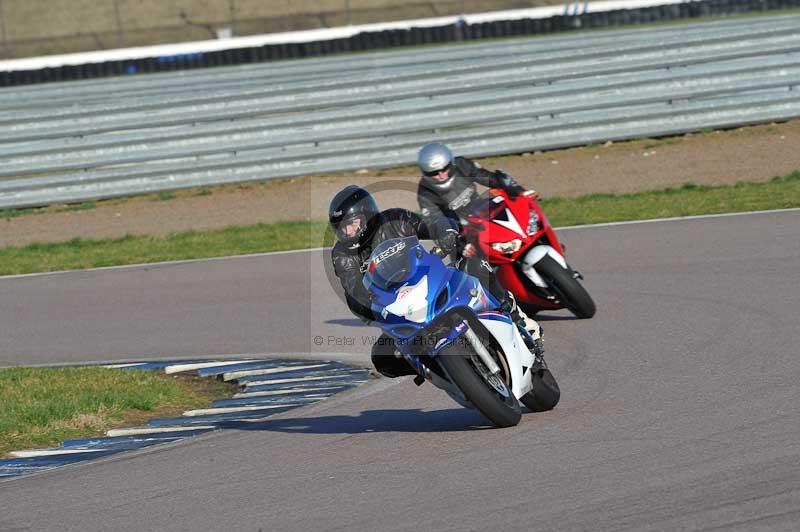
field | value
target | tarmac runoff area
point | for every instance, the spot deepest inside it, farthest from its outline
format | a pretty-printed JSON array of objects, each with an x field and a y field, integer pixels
[{"x": 678, "y": 408}]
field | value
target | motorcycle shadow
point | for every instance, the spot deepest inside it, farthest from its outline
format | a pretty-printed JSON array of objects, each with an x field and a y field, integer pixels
[
  {"x": 348, "y": 322},
  {"x": 352, "y": 322},
  {"x": 395, "y": 420},
  {"x": 554, "y": 317}
]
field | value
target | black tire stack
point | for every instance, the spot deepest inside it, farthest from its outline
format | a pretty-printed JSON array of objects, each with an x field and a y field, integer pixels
[{"x": 395, "y": 38}]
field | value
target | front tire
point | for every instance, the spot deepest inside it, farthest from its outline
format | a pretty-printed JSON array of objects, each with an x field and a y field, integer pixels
[
  {"x": 568, "y": 290},
  {"x": 502, "y": 409},
  {"x": 545, "y": 393}
]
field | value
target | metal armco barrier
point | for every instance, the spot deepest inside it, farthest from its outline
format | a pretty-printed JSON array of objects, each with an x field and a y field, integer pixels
[{"x": 69, "y": 142}]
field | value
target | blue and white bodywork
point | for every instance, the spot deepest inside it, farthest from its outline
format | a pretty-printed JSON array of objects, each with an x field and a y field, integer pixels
[{"x": 429, "y": 307}]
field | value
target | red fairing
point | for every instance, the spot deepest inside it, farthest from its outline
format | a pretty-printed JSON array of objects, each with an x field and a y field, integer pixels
[{"x": 503, "y": 221}]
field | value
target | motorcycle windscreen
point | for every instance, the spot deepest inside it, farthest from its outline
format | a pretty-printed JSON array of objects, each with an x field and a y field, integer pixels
[
  {"x": 392, "y": 263},
  {"x": 485, "y": 206}
]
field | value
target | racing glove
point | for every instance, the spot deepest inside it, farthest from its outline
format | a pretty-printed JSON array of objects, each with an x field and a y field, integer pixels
[
  {"x": 448, "y": 241},
  {"x": 508, "y": 184}
]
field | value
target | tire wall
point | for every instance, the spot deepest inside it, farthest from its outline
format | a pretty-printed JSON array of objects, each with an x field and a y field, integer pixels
[{"x": 383, "y": 39}]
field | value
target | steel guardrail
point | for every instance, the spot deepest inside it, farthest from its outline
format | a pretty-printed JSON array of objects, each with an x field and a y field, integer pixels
[
  {"x": 103, "y": 138},
  {"x": 56, "y": 93},
  {"x": 257, "y": 85}
]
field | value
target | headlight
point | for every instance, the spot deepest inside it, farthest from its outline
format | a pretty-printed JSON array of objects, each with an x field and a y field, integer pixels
[
  {"x": 533, "y": 222},
  {"x": 508, "y": 247}
]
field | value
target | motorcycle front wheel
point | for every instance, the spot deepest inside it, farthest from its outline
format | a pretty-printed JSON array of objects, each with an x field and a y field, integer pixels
[
  {"x": 545, "y": 393},
  {"x": 488, "y": 393},
  {"x": 568, "y": 290}
]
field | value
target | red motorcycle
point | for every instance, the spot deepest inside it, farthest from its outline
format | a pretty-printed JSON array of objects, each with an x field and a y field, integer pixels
[{"x": 517, "y": 239}]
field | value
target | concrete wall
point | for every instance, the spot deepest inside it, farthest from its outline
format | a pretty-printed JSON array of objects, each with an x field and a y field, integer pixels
[{"x": 43, "y": 27}]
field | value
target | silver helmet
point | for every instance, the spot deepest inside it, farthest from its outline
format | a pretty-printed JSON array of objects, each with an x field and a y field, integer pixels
[{"x": 434, "y": 158}]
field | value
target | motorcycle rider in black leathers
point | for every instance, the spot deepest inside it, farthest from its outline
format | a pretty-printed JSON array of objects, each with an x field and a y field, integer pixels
[
  {"x": 446, "y": 189},
  {"x": 359, "y": 227}
]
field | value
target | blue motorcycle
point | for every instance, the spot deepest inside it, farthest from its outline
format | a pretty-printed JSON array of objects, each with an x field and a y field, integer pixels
[{"x": 454, "y": 333}]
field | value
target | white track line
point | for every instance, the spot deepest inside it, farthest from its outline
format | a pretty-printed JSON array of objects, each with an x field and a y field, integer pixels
[
  {"x": 139, "y": 431},
  {"x": 299, "y": 379},
  {"x": 246, "y": 395},
  {"x": 234, "y": 409},
  {"x": 119, "y": 366},
  {"x": 677, "y": 219},
  {"x": 165, "y": 263},
  {"x": 37, "y": 453},
  {"x": 247, "y": 373},
  {"x": 178, "y": 368},
  {"x": 310, "y": 250}
]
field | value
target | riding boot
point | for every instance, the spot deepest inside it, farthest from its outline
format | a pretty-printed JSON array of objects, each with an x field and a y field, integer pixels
[
  {"x": 530, "y": 330},
  {"x": 387, "y": 360}
]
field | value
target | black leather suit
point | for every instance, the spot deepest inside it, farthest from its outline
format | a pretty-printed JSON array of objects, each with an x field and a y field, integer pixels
[
  {"x": 348, "y": 263},
  {"x": 443, "y": 209}
]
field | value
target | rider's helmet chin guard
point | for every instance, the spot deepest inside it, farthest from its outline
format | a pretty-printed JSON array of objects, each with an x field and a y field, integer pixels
[
  {"x": 434, "y": 158},
  {"x": 352, "y": 213}
]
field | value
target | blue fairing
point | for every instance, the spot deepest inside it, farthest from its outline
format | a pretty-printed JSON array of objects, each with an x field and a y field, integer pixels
[{"x": 400, "y": 268}]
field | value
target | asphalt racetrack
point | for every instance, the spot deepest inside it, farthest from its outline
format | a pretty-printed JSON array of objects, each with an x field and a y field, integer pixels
[{"x": 679, "y": 405}]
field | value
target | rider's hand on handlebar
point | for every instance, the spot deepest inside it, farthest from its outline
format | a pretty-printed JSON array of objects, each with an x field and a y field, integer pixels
[
  {"x": 449, "y": 241},
  {"x": 469, "y": 251}
]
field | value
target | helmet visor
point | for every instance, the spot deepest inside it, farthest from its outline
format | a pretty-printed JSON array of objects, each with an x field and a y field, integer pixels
[
  {"x": 444, "y": 173},
  {"x": 351, "y": 227}
]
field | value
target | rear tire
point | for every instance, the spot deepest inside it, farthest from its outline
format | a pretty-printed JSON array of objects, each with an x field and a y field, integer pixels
[
  {"x": 503, "y": 411},
  {"x": 545, "y": 393},
  {"x": 568, "y": 290}
]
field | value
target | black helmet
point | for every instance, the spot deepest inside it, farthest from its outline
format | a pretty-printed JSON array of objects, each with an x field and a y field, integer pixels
[
  {"x": 434, "y": 158},
  {"x": 352, "y": 214}
]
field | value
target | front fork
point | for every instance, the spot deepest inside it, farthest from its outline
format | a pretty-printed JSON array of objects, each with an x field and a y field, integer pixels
[
  {"x": 476, "y": 345},
  {"x": 482, "y": 352}
]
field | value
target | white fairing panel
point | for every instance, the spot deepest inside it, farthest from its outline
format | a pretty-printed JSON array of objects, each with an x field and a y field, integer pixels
[
  {"x": 536, "y": 254},
  {"x": 511, "y": 224},
  {"x": 517, "y": 354},
  {"x": 412, "y": 301},
  {"x": 478, "y": 301}
]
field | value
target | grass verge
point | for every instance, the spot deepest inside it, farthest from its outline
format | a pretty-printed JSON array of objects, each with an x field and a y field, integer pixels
[
  {"x": 44, "y": 406},
  {"x": 80, "y": 253},
  {"x": 689, "y": 199}
]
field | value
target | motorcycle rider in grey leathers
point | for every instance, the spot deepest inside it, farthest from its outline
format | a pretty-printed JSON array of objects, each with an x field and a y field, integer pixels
[{"x": 446, "y": 190}]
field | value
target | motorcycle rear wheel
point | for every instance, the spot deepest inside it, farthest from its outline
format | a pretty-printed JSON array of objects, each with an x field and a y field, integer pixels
[
  {"x": 568, "y": 290},
  {"x": 502, "y": 408}
]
